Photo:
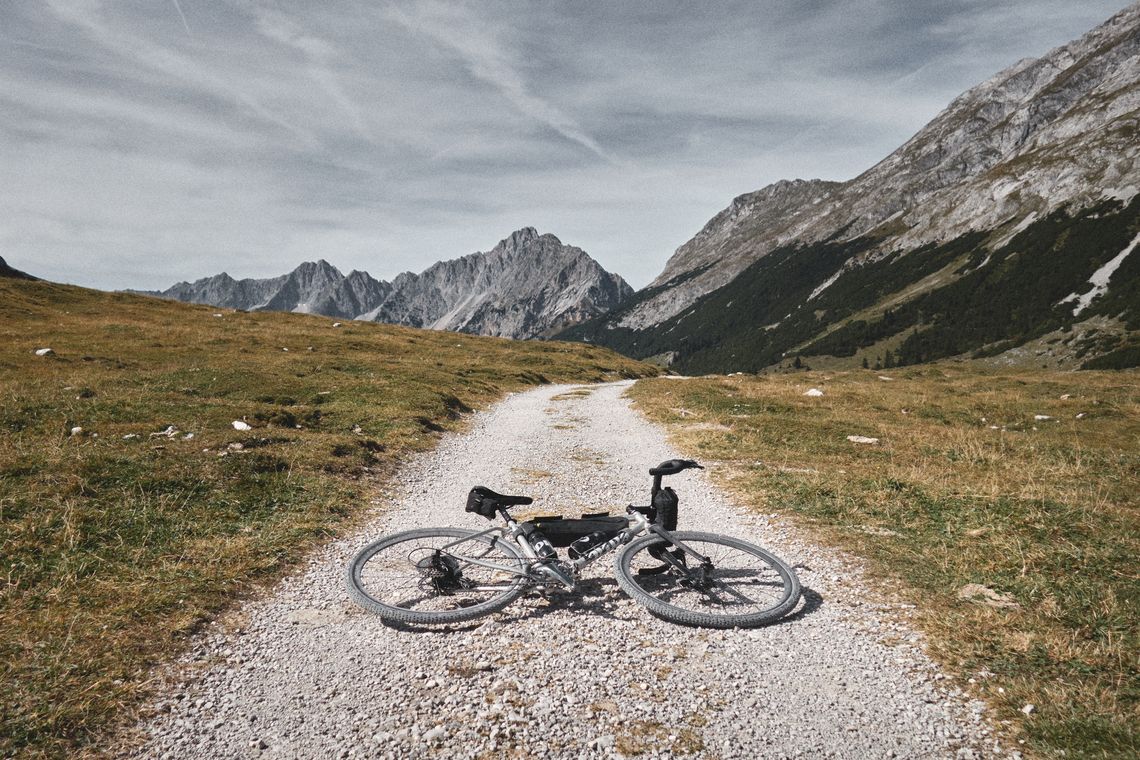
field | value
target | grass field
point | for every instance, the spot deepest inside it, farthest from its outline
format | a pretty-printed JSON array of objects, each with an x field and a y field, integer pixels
[
  {"x": 967, "y": 484},
  {"x": 119, "y": 540}
]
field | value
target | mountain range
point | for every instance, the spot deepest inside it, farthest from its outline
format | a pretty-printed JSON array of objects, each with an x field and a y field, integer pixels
[
  {"x": 1004, "y": 229},
  {"x": 1005, "y": 222},
  {"x": 527, "y": 286}
]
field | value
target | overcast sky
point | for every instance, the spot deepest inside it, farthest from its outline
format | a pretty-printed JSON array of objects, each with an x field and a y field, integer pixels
[{"x": 143, "y": 143}]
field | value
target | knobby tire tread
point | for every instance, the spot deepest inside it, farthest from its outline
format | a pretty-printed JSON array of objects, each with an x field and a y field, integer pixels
[
  {"x": 413, "y": 617},
  {"x": 700, "y": 619}
]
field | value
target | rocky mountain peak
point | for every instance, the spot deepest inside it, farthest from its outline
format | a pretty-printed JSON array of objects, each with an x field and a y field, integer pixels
[
  {"x": 1043, "y": 133},
  {"x": 529, "y": 285},
  {"x": 519, "y": 239},
  {"x": 973, "y": 237}
]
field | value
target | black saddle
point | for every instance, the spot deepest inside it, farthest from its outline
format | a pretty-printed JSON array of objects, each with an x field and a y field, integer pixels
[{"x": 483, "y": 501}]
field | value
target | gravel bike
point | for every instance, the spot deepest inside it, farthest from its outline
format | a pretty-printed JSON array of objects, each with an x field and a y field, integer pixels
[{"x": 449, "y": 575}]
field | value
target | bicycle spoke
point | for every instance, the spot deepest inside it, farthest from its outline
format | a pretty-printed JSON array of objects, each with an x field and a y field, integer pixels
[
  {"x": 739, "y": 580},
  {"x": 432, "y": 572}
]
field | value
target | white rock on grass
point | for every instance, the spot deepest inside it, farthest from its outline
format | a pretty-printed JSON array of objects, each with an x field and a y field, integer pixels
[
  {"x": 814, "y": 392},
  {"x": 862, "y": 439},
  {"x": 1042, "y": 417},
  {"x": 44, "y": 352},
  {"x": 240, "y": 425}
]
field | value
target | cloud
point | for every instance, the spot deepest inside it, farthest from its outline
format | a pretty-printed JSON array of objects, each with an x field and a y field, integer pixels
[
  {"x": 165, "y": 60},
  {"x": 484, "y": 55},
  {"x": 319, "y": 55},
  {"x": 386, "y": 138}
]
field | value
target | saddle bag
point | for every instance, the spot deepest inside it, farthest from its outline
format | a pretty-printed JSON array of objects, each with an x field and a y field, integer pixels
[{"x": 482, "y": 501}]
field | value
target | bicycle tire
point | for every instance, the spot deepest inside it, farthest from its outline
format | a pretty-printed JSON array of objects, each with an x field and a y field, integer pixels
[
  {"x": 382, "y": 574},
  {"x": 764, "y": 580}
]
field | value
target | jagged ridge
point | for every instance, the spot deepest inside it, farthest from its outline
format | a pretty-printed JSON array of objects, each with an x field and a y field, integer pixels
[
  {"x": 1042, "y": 134},
  {"x": 768, "y": 275},
  {"x": 528, "y": 286}
]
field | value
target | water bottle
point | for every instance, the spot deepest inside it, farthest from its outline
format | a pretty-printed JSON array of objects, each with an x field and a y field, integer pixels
[
  {"x": 586, "y": 543},
  {"x": 542, "y": 546}
]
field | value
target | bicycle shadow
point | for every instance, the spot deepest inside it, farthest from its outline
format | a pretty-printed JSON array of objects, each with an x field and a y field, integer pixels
[
  {"x": 597, "y": 596},
  {"x": 812, "y": 601}
]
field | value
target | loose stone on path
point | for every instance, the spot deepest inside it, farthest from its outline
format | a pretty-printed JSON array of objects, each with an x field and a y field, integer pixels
[{"x": 588, "y": 674}]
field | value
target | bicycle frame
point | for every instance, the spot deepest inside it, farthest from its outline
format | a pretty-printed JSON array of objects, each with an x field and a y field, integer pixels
[
  {"x": 552, "y": 568},
  {"x": 487, "y": 570}
]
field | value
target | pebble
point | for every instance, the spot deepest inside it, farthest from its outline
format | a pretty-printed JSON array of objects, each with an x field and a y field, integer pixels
[{"x": 567, "y": 674}]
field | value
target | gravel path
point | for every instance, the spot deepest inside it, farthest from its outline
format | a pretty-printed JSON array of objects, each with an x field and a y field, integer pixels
[{"x": 589, "y": 674}]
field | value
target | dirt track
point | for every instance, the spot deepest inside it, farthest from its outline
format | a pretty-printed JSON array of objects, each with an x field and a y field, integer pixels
[{"x": 590, "y": 674}]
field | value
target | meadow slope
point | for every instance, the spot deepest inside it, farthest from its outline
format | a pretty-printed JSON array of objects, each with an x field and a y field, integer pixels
[
  {"x": 132, "y": 508},
  {"x": 1024, "y": 483}
]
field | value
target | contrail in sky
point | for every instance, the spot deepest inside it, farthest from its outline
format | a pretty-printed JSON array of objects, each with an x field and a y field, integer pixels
[{"x": 182, "y": 16}]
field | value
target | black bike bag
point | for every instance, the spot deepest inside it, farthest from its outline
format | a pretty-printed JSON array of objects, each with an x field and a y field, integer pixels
[
  {"x": 665, "y": 508},
  {"x": 563, "y": 532}
]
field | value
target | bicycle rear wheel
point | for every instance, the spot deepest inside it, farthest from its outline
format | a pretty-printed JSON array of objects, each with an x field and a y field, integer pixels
[
  {"x": 745, "y": 586},
  {"x": 434, "y": 575}
]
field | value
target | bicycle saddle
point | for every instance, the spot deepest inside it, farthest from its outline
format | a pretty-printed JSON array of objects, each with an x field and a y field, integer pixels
[
  {"x": 673, "y": 466},
  {"x": 483, "y": 501}
]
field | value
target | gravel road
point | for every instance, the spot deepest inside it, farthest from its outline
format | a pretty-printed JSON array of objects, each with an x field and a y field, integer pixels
[{"x": 306, "y": 674}]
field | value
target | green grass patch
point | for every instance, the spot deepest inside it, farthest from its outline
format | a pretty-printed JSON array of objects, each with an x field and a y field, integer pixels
[
  {"x": 966, "y": 485},
  {"x": 119, "y": 541}
]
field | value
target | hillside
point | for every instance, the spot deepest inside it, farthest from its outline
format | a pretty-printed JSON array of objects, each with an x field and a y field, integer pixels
[
  {"x": 527, "y": 286},
  {"x": 1022, "y": 482},
  {"x": 133, "y": 509},
  {"x": 7, "y": 271},
  {"x": 1022, "y": 190}
]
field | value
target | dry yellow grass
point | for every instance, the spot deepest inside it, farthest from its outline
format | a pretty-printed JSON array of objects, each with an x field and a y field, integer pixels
[
  {"x": 966, "y": 485},
  {"x": 120, "y": 540}
]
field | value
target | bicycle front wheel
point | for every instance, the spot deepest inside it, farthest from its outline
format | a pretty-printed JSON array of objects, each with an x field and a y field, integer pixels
[
  {"x": 743, "y": 586},
  {"x": 436, "y": 575}
]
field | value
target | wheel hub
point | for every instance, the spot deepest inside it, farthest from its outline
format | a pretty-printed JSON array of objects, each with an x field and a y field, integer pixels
[{"x": 441, "y": 572}]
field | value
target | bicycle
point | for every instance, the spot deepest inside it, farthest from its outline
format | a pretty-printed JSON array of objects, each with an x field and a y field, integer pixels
[{"x": 451, "y": 575}]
